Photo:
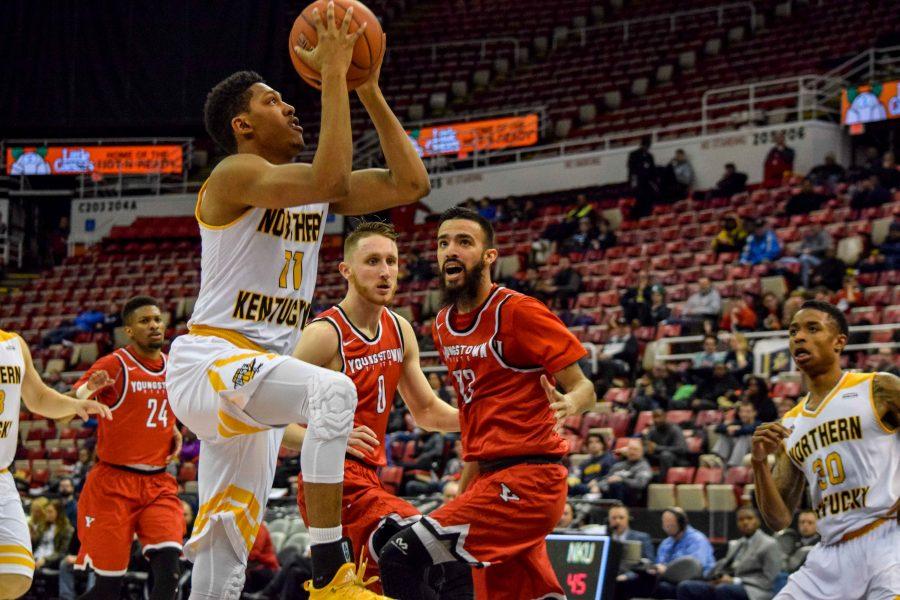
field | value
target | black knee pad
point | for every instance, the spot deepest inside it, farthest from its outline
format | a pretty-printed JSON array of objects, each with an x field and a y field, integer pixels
[
  {"x": 166, "y": 568},
  {"x": 404, "y": 550},
  {"x": 381, "y": 536}
]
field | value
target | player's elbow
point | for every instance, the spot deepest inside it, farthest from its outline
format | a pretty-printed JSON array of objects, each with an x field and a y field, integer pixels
[
  {"x": 414, "y": 190},
  {"x": 335, "y": 186},
  {"x": 776, "y": 522}
]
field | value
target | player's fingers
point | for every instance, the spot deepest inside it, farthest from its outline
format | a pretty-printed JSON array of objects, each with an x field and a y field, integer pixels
[
  {"x": 329, "y": 17},
  {"x": 366, "y": 430},
  {"x": 362, "y": 443},
  {"x": 359, "y": 32},
  {"x": 354, "y": 452},
  {"x": 320, "y": 25},
  {"x": 348, "y": 18},
  {"x": 780, "y": 429},
  {"x": 365, "y": 437},
  {"x": 548, "y": 388}
]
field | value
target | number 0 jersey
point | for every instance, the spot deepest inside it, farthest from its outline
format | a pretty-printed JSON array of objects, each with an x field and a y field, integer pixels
[
  {"x": 258, "y": 274},
  {"x": 140, "y": 432},
  {"x": 375, "y": 366},
  {"x": 495, "y": 357},
  {"x": 12, "y": 370},
  {"x": 850, "y": 458}
]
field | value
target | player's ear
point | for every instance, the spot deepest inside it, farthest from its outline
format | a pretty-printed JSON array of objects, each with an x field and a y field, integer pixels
[
  {"x": 490, "y": 255},
  {"x": 344, "y": 269},
  {"x": 241, "y": 125},
  {"x": 839, "y": 343}
]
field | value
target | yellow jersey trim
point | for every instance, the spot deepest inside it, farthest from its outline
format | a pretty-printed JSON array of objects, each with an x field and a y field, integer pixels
[
  {"x": 6, "y": 335},
  {"x": 228, "y": 335},
  {"x": 884, "y": 426},
  {"x": 846, "y": 380},
  {"x": 205, "y": 225}
]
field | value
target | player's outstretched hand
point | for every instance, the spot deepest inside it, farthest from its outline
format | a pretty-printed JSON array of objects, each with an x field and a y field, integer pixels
[
  {"x": 85, "y": 408},
  {"x": 98, "y": 380},
  {"x": 177, "y": 440},
  {"x": 766, "y": 440},
  {"x": 334, "y": 48},
  {"x": 561, "y": 405},
  {"x": 362, "y": 441}
]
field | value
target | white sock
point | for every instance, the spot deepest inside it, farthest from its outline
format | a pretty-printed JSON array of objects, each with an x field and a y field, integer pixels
[{"x": 324, "y": 535}]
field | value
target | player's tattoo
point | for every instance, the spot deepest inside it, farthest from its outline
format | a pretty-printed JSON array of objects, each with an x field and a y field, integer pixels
[
  {"x": 789, "y": 480},
  {"x": 886, "y": 395}
]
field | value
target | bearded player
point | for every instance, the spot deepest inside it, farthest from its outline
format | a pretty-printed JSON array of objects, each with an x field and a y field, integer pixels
[
  {"x": 378, "y": 350},
  {"x": 501, "y": 348},
  {"x": 129, "y": 492},
  {"x": 19, "y": 381},
  {"x": 842, "y": 442},
  {"x": 231, "y": 379}
]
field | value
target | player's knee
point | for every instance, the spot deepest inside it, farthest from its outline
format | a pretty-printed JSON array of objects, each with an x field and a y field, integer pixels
[
  {"x": 13, "y": 586},
  {"x": 332, "y": 408},
  {"x": 404, "y": 551}
]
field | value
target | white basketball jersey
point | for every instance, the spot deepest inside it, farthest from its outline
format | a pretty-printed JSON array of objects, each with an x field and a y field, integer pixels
[
  {"x": 850, "y": 458},
  {"x": 258, "y": 274},
  {"x": 12, "y": 370}
]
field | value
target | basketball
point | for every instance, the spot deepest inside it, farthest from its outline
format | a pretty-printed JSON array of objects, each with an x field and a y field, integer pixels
[{"x": 367, "y": 53}]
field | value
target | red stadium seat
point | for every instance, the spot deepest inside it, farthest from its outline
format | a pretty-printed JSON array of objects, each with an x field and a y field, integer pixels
[
  {"x": 644, "y": 419},
  {"x": 619, "y": 422},
  {"x": 708, "y": 475},
  {"x": 678, "y": 475},
  {"x": 679, "y": 417},
  {"x": 739, "y": 475}
]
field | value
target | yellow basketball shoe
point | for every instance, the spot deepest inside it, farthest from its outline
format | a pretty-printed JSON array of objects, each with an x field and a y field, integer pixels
[{"x": 347, "y": 583}]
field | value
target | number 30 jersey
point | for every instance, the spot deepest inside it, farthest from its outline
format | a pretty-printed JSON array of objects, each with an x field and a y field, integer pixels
[
  {"x": 258, "y": 274},
  {"x": 140, "y": 432},
  {"x": 375, "y": 366},
  {"x": 850, "y": 458}
]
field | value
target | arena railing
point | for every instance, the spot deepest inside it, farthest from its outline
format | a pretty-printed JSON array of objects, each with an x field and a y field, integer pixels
[{"x": 628, "y": 25}]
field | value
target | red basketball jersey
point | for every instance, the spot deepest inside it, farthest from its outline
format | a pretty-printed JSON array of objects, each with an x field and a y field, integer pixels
[
  {"x": 495, "y": 356},
  {"x": 140, "y": 432},
  {"x": 375, "y": 366}
]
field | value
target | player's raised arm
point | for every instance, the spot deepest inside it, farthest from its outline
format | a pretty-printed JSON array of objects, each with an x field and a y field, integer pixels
[
  {"x": 405, "y": 179},
  {"x": 886, "y": 394},
  {"x": 45, "y": 401},
  {"x": 270, "y": 179},
  {"x": 580, "y": 394},
  {"x": 429, "y": 411},
  {"x": 778, "y": 491}
]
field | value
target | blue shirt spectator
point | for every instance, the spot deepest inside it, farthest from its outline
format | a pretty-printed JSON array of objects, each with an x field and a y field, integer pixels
[
  {"x": 762, "y": 245},
  {"x": 685, "y": 542}
]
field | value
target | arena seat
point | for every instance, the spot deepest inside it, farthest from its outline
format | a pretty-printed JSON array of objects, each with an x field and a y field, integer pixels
[
  {"x": 660, "y": 496},
  {"x": 680, "y": 475},
  {"x": 721, "y": 497},
  {"x": 707, "y": 475},
  {"x": 690, "y": 496}
]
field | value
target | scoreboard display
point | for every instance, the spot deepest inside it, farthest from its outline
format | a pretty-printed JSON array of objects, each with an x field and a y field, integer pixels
[{"x": 586, "y": 565}]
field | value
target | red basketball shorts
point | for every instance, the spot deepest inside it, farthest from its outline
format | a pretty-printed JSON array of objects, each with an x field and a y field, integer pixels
[{"x": 115, "y": 505}]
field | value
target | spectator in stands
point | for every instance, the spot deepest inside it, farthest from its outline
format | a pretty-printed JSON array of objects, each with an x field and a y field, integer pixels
[
  {"x": 742, "y": 316},
  {"x": 757, "y": 394},
  {"x": 606, "y": 237},
  {"x": 850, "y": 295},
  {"x": 66, "y": 491},
  {"x": 585, "y": 238},
  {"x": 636, "y": 300},
  {"x": 779, "y": 162},
  {"x": 437, "y": 384},
  {"x": 732, "y": 237},
  {"x": 112, "y": 319},
  {"x": 37, "y": 515},
  {"x": 557, "y": 233},
  {"x": 50, "y": 540},
  {"x": 748, "y": 570},
  {"x": 619, "y": 529},
  {"x": 715, "y": 390},
  {"x": 883, "y": 362},
  {"x": 81, "y": 467},
  {"x": 805, "y": 201},
  {"x": 190, "y": 446},
  {"x": 888, "y": 174},
  {"x": 805, "y": 540},
  {"x": 567, "y": 518},
  {"x": 654, "y": 389},
  {"x": 619, "y": 354},
  {"x": 588, "y": 474},
  {"x": 643, "y": 178},
  {"x": 828, "y": 273},
  {"x": 628, "y": 478},
  {"x": 487, "y": 210},
  {"x": 829, "y": 173},
  {"x": 657, "y": 312},
  {"x": 528, "y": 282},
  {"x": 784, "y": 405},
  {"x": 188, "y": 511},
  {"x": 734, "y": 438},
  {"x": 678, "y": 177},
  {"x": 768, "y": 314},
  {"x": 762, "y": 244},
  {"x": 709, "y": 356},
  {"x": 739, "y": 358},
  {"x": 419, "y": 268},
  {"x": 514, "y": 211},
  {"x": 885, "y": 257},
  {"x": 682, "y": 541},
  {"x": 732, "y": 182},
  {"x": 703, "y": 307},
  {"x": 262, "y": 564},
  {"x": 566, "y": 284},
  {"x": 816, "y": 242},
  {"x": 664, "y": 443},
  {"x": 870, "y": 193}
]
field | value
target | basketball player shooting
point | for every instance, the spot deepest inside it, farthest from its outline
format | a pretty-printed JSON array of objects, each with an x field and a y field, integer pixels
[
  {"x": 501, "y": 348},
  {"x": 231, "y": 379},
  {"x": 842, "y": 438}
]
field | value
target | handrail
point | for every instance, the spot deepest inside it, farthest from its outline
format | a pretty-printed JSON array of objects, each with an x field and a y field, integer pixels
[
  {"x": 672, "y": 17},
  {"x": 482, "y": 42}
]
